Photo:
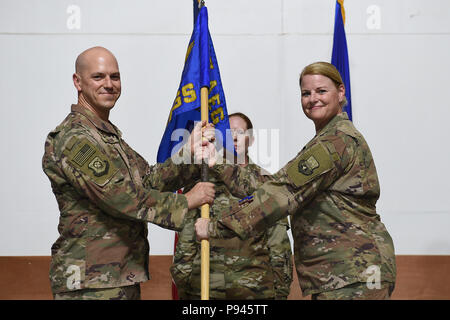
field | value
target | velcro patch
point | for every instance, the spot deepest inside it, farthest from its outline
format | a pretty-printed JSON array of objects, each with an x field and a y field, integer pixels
[
  {"x": 310, "y": 164},
  {"x": 99, "y": 167},
  {"x": 89, "y": 160},
  {"x": 83, "y": 154}
]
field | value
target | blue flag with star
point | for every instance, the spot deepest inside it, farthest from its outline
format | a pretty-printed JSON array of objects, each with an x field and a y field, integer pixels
[{"x": 200, "y": 70}]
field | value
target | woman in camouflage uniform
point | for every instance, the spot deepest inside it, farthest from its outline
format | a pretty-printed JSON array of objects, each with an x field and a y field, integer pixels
[{"x": 342, "y": 249}]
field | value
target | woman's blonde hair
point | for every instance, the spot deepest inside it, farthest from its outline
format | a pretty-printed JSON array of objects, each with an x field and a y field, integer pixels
[{"x": 325, "y": 69}]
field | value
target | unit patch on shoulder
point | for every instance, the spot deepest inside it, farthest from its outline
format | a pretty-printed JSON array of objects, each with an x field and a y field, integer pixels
[
  {"x": 309, "y": 164},
  {"x": 98, "y": 167},
  {"x": 91, "y": 161}
]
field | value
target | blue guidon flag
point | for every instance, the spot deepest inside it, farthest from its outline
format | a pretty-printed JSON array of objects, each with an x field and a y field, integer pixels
[
  {"x": 339, "y": 57},
  {"x": 200, "y": 70}
]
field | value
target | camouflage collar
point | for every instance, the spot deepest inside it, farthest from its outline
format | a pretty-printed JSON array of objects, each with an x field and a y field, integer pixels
[
  {"x": 337, "y": 118},
  {"x": 106, "y": 126}
]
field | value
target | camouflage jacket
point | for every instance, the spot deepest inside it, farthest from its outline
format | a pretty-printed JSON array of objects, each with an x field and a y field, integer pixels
[
  {"x": 256, "y": 268},
  {"x": 330, "y": 190},
  {"x": 106, "y": 193}
]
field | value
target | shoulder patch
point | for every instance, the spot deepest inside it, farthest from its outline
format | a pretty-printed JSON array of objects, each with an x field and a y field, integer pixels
[
  {"x": 309, "y": 164},
  {"x": 91, "y": 161},
  {"x": 83, "y": 154},
  {"x": 99, "y": 167}
]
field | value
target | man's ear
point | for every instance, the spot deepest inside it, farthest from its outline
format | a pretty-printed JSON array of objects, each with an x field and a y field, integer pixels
[{"x": 77, "y": 81}]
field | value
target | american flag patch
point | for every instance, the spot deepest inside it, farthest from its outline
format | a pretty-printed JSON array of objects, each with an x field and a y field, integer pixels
[{"x": 83, "y": 155}]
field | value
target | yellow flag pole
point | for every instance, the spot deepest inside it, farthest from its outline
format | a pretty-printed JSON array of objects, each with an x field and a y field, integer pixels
[
  {"x": 341, "y": 2},
  {"x": 204, "y": 274},
  {"x": 204, "y": 92}
]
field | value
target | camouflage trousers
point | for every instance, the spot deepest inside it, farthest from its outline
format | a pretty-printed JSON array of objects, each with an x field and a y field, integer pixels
[
  {"x": 132, "y": 292},
  {"x": 357, "y": 291}
]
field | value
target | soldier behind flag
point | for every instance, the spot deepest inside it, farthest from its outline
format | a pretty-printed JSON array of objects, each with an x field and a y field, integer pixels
[
  {"x": 107, "y": 193},
  {"x": 257, "y": 268}
]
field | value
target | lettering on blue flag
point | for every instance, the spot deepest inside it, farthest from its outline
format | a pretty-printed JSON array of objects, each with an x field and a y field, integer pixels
[{"x": 200, "y": 70}]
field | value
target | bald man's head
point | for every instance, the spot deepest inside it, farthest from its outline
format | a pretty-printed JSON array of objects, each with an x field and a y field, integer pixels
[
  {"x": 97, "y": 79},
  {"x": 90, "y": 54}
]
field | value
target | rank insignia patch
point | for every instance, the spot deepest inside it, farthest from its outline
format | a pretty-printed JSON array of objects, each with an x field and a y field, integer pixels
[{"x": 99, "y": 167}]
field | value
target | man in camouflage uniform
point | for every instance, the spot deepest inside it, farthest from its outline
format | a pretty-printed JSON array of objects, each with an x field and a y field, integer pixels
[
  {"x": 330, "y": 190},
  {"x": 107, "y": 192},
  {"x": 256, "y": 268}
]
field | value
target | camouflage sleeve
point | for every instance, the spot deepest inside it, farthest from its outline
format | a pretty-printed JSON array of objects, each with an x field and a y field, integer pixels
[
  {"x": 240, "y": 181},
  {"x": 108, "y": 184},
  {"x": 280, "y": 255},
  {"x": 185, "y": 252},
  {"x": 311, "y": 172},
  {"x": 173, "y": 174},
  {"x": 141, "y": 163}
]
